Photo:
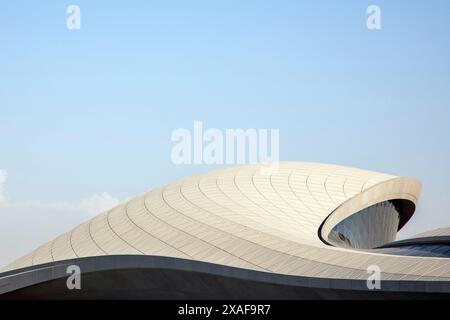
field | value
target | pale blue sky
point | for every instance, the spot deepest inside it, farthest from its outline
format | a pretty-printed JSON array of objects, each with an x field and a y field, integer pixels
[{"x": 92, "y": 110}]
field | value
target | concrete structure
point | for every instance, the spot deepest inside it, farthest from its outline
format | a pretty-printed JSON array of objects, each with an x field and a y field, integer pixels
[{"x": 307, "y": 230}]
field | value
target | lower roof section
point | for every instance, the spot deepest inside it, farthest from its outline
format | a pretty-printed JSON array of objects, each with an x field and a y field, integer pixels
[
  {"x": 153, "y": 277},
  {"x": 245, "y": 226},
  {"x": 222, "y": 215}
]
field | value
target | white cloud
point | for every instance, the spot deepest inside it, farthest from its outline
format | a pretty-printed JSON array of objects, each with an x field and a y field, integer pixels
[
  {"x": 3, "y": 176},
  {"x": 30, "y": 224},
  {"x": 98, "y": 203}
]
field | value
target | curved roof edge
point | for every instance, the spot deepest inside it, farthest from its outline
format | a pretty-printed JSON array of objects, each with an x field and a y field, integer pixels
[
  {"x": 31, "y": 276},
  {"x": 407, "y": 189}
]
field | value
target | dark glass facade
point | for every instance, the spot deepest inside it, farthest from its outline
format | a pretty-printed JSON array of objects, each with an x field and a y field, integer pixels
[{"x": 418, "y": 250}]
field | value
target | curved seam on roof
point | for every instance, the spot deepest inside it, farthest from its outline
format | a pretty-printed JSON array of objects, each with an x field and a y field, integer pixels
[
  {"x": 63, "y": 238},
  {"x": 212, "y": 227},
  {"x": 199, "y": 222},
  {"x": 241, "y": 191},
  {"x": 210, "y": 245},
  {"x": 297, "y": 196},
  {"x": 92, "y": 237},
  {"x": 244, "y": 207},
  {"x": 270, "y": 201},
  {"x": 71, "y": 243},
  {"x": 115, "y": 232},
  {"x": 252, "y": 201},
  {"x": 51, "y": 248},
  {"x": 65, "y": 243},
  {"x": 343, "y": 187},
  {"x": 326, "y": 190},
  {"x": 312, "y": 195},
  {"x": 363, "y": 185},
  {"x": 280, "y": 197},
  {"x": 230, "y": 209},
  {"x": 246, "y": 227},
  {"x": 34, "y": 254},
  {"x": 245, "y": 195},
  {"x": 345, "y": 184},
  {"x": 170, "y": 226},
  {"x": 287, "y": 202},
  {"x": 254, "y": 213},
  {"x": 152, "y": 236}
]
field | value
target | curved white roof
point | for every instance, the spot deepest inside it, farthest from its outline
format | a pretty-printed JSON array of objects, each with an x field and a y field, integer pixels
[{"x": 244, "y": 217}]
